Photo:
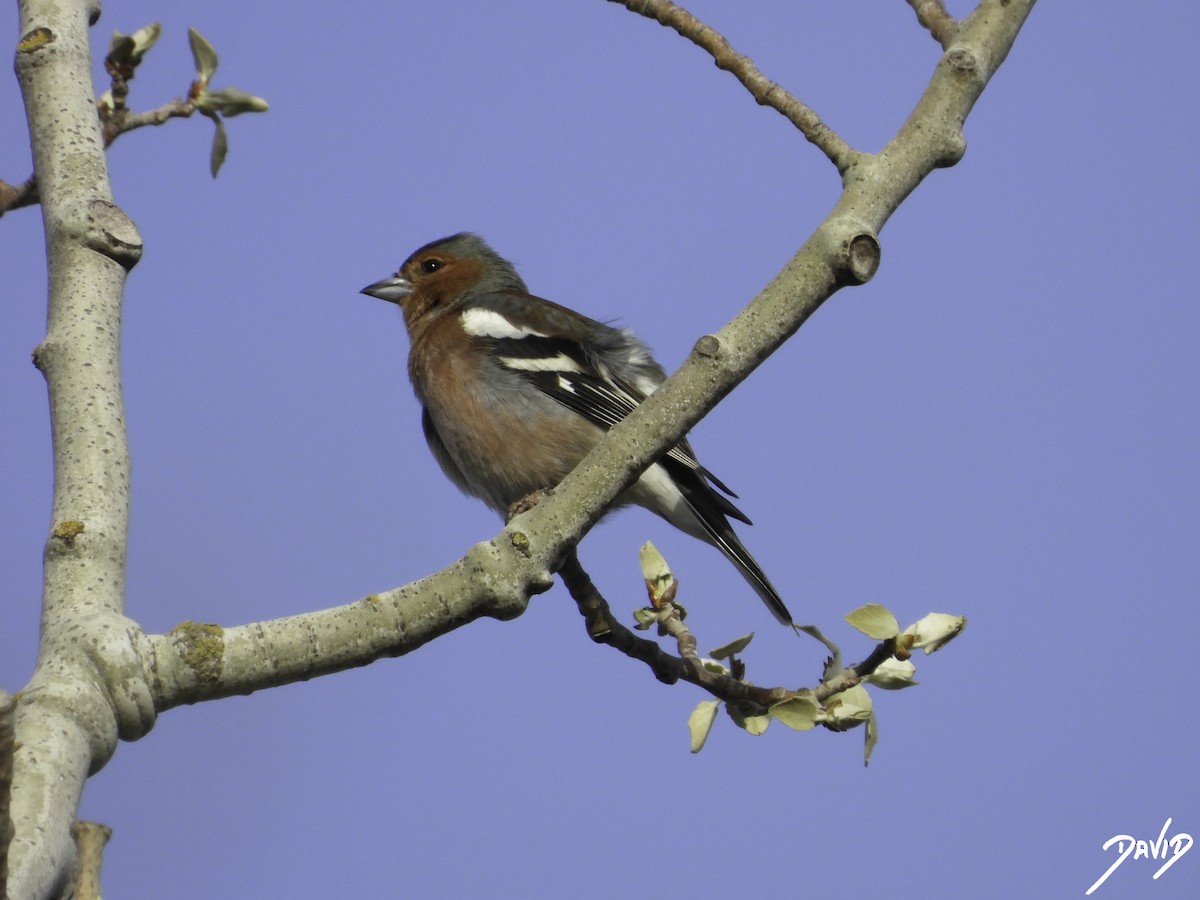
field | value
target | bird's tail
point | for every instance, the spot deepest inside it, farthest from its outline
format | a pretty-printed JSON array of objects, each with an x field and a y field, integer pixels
[
  {"x": 726, "y": 540},
  {"x": 713, "y": 512}
]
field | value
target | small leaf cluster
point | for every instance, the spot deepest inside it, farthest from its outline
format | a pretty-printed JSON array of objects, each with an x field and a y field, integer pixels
[
  {"x": 229, "y": 101},
  {"x": 125, "y": 54},
  {"x": 800, "y": 711},
  {"x": 847, "y": 708}
]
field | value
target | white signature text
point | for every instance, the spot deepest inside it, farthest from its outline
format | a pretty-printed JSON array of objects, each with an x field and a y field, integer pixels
[{"x": 1180, "y": 843}]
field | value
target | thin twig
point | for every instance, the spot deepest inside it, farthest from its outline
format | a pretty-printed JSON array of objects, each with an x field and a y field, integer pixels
[
  {"x": 937, "y": 21},
  {"x": 852, "y": 675},
  {"x": 115, "y": 123},
  {"x": 670, "y": 620},
  {"x": 90, "y": 838},
  {"x": 14, "y": 196},
  {"x": 750, "y": 699},
  {"x": 765, "y": 91}
]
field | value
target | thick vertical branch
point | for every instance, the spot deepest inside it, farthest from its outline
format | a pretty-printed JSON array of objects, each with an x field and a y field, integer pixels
[
  {"x": 69, "y": 718},
  {"x": 7, "y": 750}
]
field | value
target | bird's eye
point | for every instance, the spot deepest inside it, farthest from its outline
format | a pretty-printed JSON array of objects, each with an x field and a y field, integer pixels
[{"x": 431, "y": 265}]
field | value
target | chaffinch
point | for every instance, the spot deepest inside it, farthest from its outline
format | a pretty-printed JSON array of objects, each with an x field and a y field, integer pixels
[{"x": 516, "y": 390}]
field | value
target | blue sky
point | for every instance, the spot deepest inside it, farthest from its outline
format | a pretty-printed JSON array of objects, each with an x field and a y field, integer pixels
[{"x": 1002, "y": 424}]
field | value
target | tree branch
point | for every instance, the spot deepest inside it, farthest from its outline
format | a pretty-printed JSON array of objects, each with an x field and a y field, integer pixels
[
  {"x": 120, "y": 122},
  {"x": 748, "y": 698},
  {"x": 65, "y": 720},
  {"x": 761, "y": 88},
  {"x": 196, "y": 661},
  {"x": 844, "y": 250},
  {"x": 100, "y": 677},
  {"x": 113, "y": 124},
  {"x": 937, "y": 21},
  {"x": 15, "y": 196},
  {"x": 7, "y": 750},
  {"x": 90, "y": 839},
  {"x": 121, "y": 63},
  {"x": 495, "y": 580}
]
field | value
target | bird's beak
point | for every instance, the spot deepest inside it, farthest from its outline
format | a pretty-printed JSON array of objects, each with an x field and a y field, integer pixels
[{"x": 392, "y": 289}]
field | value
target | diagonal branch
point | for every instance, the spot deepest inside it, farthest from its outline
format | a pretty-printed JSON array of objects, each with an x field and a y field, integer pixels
[
  {"x": 191, "y": 665},
  {"x": 765, "y": 91}
]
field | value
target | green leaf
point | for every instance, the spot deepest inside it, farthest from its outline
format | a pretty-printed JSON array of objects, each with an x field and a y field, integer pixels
[
  {"x": 834, "y": 665},
  {"x": 874, "y": 621},
  {"x": 725, "y": 651},
  {"x": 646, "y": 617},
  {"x": 230, "y": 101},
  {"x": 654, "y": 564},
  {"x": 143, "y": 39},
  {"x": 204, "y": 56},
  {"x": 660, "y": 583},
  {"x": 848, "y": 709},
  {"x": 754, "y": 725},
  {"x": 700, "y": 722},
  {"x": 220, "y": 147},
  {"x": 893, "y": 674},
  {"x": 935, "y": 630},
  {"x": 871, "y": 739},
  {"x": 800, "y": 713}
]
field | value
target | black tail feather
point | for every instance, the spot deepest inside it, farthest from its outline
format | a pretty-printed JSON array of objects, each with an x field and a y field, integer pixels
[{"x": 711, "y": 510}]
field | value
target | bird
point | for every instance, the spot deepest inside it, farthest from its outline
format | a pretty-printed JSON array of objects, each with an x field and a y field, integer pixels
[{"x": 515, "y": 390}]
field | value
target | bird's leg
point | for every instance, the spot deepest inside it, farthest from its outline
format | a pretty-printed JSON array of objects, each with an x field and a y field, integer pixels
[{"x": 526, "y": 503}]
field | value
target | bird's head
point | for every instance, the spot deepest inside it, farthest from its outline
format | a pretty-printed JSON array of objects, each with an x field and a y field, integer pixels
[{"x": 445, "y": 273}]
